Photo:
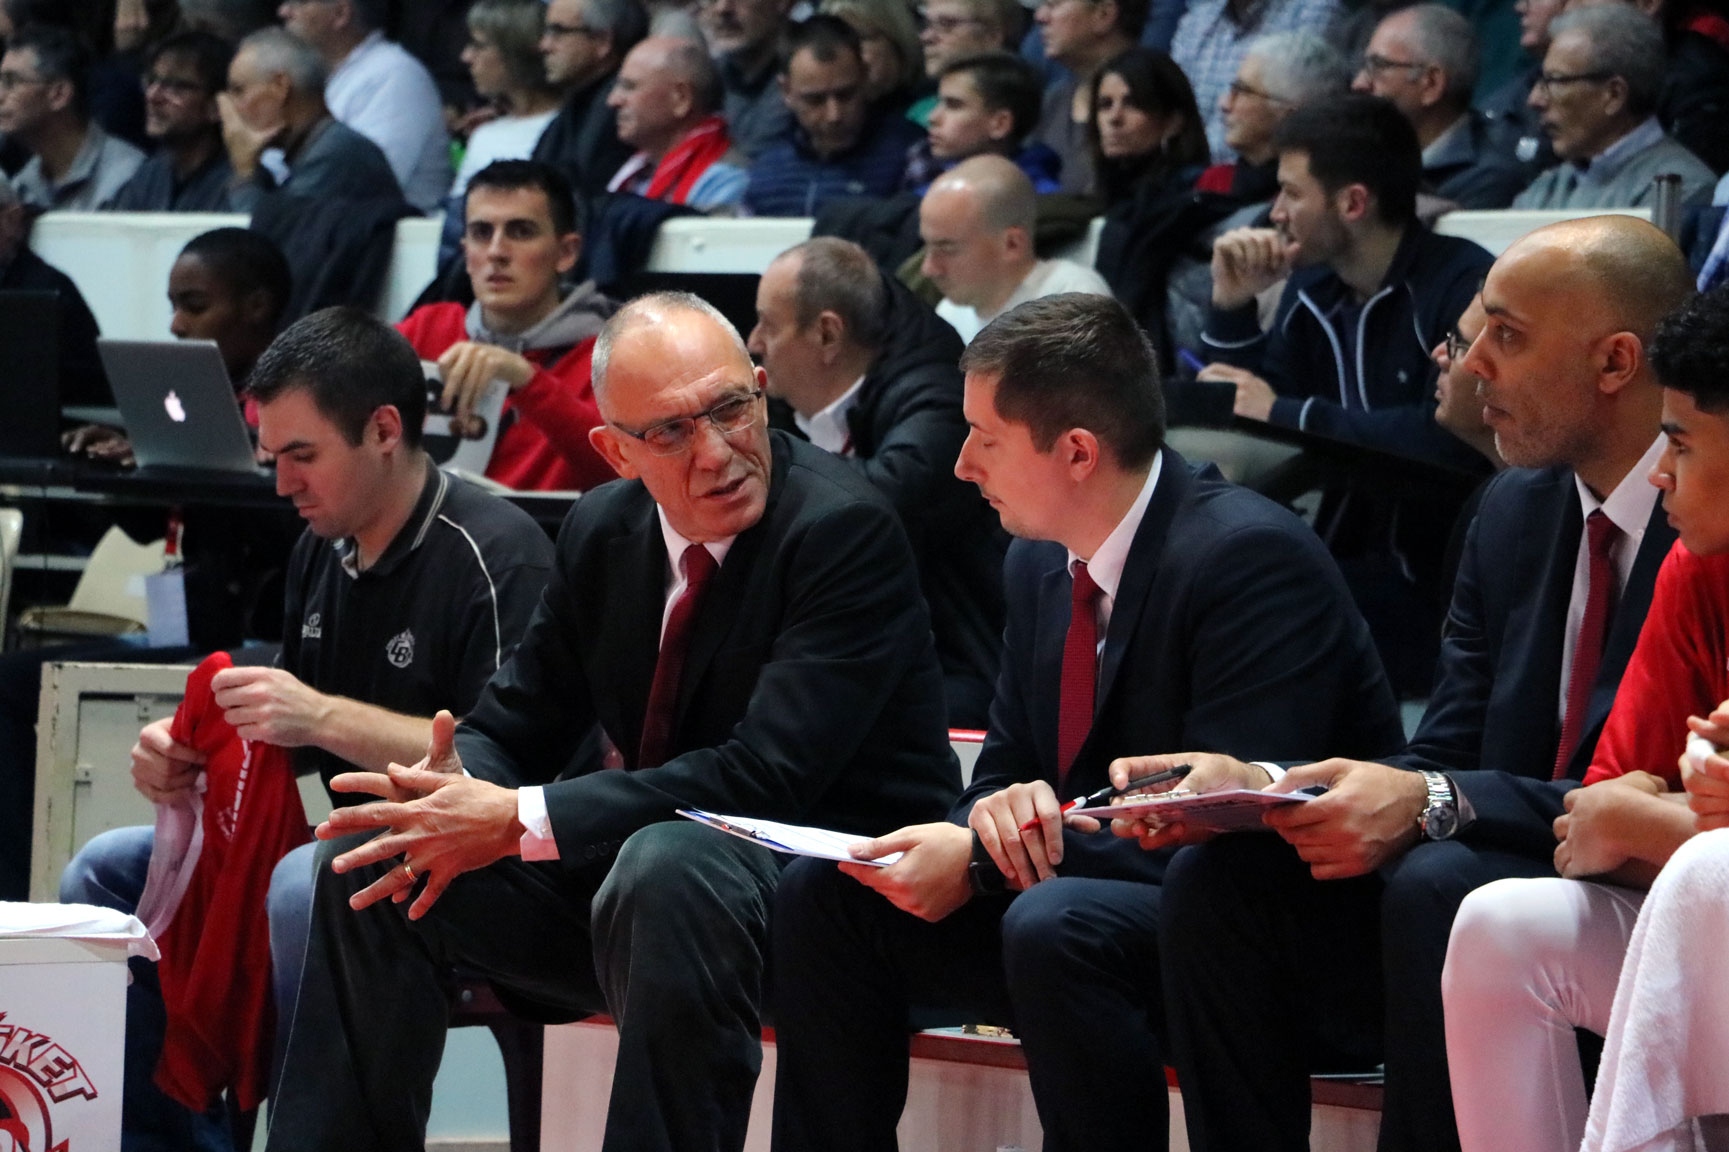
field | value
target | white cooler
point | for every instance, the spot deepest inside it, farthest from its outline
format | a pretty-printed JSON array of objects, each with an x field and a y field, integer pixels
[{"x": 63, "y": 1025}]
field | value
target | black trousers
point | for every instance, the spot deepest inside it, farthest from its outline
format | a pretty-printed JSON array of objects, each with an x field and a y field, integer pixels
[
  {"x": 671, "y": 940},
  {"x": 1271, "y": 975},
  {"x": 1071, "y": 964}
]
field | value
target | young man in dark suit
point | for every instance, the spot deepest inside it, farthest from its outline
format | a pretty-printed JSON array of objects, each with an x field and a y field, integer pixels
[
  {"x": 1222, "y": 620},
  {"x": 741, "y": 620},
  {"x": 1358, "y": 893}
]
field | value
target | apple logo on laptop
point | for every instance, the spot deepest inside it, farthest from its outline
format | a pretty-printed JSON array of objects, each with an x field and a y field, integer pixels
[{"x": 176, "y": 410}]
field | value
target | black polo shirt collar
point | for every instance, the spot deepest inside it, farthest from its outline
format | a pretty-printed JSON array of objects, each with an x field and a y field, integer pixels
[{"x": 412, "y": 533}]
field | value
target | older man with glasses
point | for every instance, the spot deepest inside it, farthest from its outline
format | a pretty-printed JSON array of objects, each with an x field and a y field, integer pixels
[
  {"x": 954, "y": 29},
  {"x": 583, "y": 42},
  {"x": 189, "y": 171},
  {"x": 1424, "y": 60},
  {"x": 740, "y": 618},
  {"x": 45, "y": 105},
  {"x": 1597, "y": 96}
]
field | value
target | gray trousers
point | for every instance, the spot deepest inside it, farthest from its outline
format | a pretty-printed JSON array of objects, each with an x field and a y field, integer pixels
[{"x": 670, "y": 940}]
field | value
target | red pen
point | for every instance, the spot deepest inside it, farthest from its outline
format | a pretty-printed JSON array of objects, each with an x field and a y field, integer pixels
[{"x": 1104, "y": 794}]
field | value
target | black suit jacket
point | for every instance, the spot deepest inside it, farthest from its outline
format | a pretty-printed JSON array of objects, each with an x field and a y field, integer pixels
[
  {"x": 810, "y": 691},
  {"x": 1232, "y": 631},
  {"x": 1491, "y": 721}
]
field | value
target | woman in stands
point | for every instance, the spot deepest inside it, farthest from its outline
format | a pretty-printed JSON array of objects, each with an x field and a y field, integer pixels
[
  {"x": 894, "y": 59},
  {"x": 1146, "y": 133}
]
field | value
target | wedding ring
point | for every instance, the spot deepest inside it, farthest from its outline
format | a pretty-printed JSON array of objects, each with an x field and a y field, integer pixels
[{"x": 408, "y": 870}]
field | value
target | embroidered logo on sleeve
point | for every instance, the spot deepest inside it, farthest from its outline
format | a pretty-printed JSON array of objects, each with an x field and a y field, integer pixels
[{"x": 400, "y": 650}]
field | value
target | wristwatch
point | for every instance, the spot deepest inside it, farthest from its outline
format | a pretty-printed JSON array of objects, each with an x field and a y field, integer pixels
[
  {"x": 1440, "y": 820},
  {"x": 983, "y": 875}
]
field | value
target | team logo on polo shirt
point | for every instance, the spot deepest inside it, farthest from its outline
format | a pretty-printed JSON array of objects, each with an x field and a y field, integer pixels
[
  {"x": 313, "y": 628},
  {"x": 400, "y": 650}
]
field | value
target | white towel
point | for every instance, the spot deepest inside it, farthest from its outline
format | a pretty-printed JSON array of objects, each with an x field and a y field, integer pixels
[
  {"x": 1668, "y": 1042},
  {"x": 76, "y": 922}
]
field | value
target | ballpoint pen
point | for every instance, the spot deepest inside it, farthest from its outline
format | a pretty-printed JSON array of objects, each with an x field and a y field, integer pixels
[{"x": 1104, "y": 794}]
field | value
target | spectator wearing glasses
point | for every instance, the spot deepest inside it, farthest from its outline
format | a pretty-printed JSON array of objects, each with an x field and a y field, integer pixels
[
  {"x": 523, "y": 329},
  {"x": 1424, "y": 60},
  {"x": 744, "y": 36},
  {"x": 1080, "y": 35},
  {"x": 1458, "y": 408},
  {"x": 503, "y": 60},
  {"x": 378, "y": 89},
  {"x": 1214, "y": 36},
  {"x": 583, "y": 42},
  {"x": 44, "y": 103},
  {"x": 1597, "y": 96},
  {"x": 957, "y": 28},
  {"x": 189, "y": 171},
  {"x": 838, "y": 147}
]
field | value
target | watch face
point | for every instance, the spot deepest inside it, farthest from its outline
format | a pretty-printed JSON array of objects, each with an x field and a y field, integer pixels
[{"x": 1440, "y": 822}]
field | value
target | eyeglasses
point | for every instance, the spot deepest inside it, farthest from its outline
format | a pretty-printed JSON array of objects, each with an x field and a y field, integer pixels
[
  {"x": 13, "y": 80},
  {"x": 1547, "y": 81},
  {"x": 1238, "y": 88},
  {"x": 557, "y": 31},
  {"x": 1457, "y": 346},
  {"x": 1375, "y": 64},
  {"x": 730, "y": 416}
]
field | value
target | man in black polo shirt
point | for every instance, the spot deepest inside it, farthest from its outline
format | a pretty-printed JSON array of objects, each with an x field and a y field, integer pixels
[{"x": 406, "y": 593}]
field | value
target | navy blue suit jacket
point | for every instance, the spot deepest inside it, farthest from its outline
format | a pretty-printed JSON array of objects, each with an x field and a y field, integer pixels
[
  {"x": 1491, "y": 722},
  {"x": 1232, "y": 631}
]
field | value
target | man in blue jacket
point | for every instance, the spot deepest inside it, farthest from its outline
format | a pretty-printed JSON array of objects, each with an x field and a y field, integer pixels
[{"x": 1368, "y": 291}]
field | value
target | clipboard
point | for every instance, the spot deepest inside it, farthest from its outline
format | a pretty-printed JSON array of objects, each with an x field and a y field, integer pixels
[
  {"x": 1227, "y": 810},
  {"x": 791, "y": 839}
]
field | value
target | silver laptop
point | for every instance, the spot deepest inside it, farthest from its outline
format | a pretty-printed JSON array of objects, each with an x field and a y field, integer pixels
[{"x": 179, "y": 408}]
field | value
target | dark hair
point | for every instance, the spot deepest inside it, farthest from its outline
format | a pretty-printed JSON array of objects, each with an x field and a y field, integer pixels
[
  {"x": 1131, "y": 17},
  {"x": 1358, "y": 139},
  {"x": 209, "y": 54},
  {"x": 511, "y": 175},
  {"x": 245, "y": 261},
  {"x": 61, "y": 54},
  {"x": 1690, "y": 352},
  {"x": 1158, "y": 87},
  {"x": 372, "y": 14},
  {"x": 352, "y": 364},
  {"x": 824, "y": 37},
  {"x": 1075, "y": 360},
  {"x": 838, "y": 276},
  {"x": 1004, "y": 80}
]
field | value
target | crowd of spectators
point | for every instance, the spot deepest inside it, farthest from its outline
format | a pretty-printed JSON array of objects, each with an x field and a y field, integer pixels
[{"x": 1264, "y": 177}]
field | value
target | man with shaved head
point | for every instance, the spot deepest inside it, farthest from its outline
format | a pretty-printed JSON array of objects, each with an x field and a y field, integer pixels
[
  {"x": 1359, "y": 888},
  {"x": 870, "y": 374},
  {"x": 977, "y": 226},
  {"x": 668, "y": 98},
  {"x": 740, "y": 619}
]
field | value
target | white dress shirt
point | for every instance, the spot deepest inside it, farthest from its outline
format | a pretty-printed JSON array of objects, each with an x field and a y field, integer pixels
[
  {"x": 1106, "y": 565},
  {"x": 828, "y": 428},
  {"x": 537, "y": 842},
  {"x": 382, "y": 92}
]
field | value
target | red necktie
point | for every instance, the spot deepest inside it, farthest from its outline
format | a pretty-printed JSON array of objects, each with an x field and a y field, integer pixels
[
  {"x": 1080, "y": 671},
  {"x": 1600, "y": 597},
  {"x": 698, "y": 565}
]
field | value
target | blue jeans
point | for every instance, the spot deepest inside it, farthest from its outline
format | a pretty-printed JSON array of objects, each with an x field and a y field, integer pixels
[{"x": 110, "y": 872}]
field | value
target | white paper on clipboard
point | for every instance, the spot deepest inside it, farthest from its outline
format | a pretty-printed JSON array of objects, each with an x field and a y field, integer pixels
[
  {"x": 458, "y": 452},
  {"x": 792, "y": 839}
]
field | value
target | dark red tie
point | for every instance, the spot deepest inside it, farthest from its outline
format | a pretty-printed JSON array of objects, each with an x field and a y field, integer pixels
[
  {"x": 1080, "y": 671},
  {"x": 698, "y": 565},
  {"x": 1600, "y": 597}
]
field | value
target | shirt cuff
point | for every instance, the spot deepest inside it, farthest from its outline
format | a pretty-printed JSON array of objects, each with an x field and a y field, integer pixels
[
  {"x": 1275, "y": 772},
  {"x": 537, "y": 842}
]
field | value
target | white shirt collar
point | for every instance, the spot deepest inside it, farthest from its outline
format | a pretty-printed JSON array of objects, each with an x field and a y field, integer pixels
[
  {"x": 828, "y": 428},
  {"x": 1630, "y": 505},
  {"x": 355, "y": 54},
  {"x": 1106, "y": 566},
  {"x": 676, "y": 544}
]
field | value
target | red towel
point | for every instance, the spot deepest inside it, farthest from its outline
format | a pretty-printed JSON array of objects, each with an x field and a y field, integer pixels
[{"x": 215, "y": 967}]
